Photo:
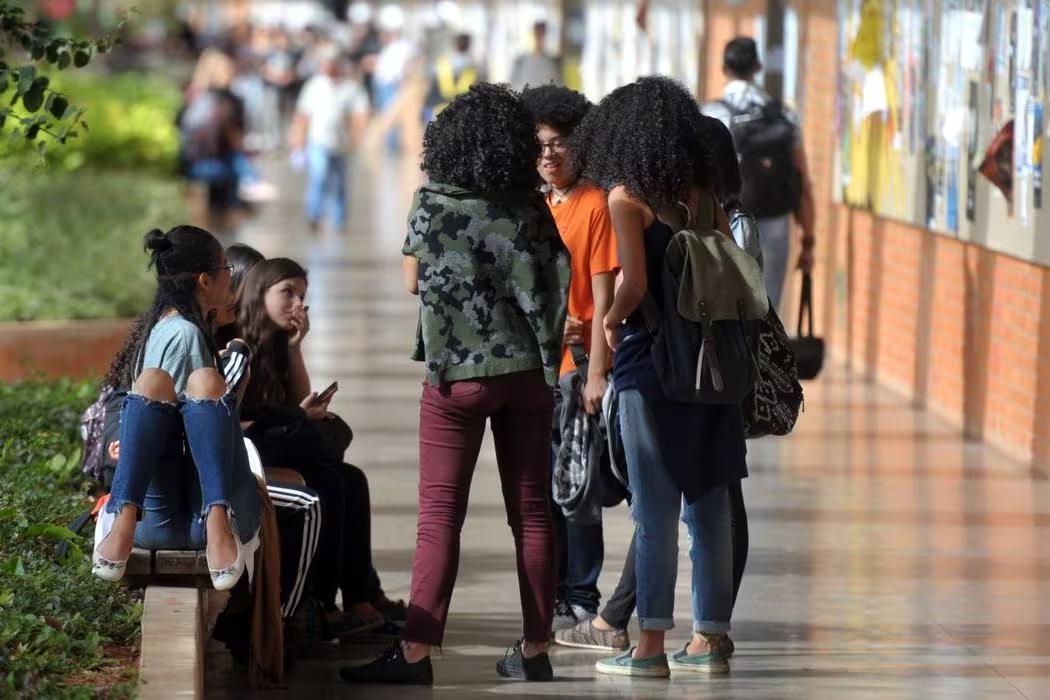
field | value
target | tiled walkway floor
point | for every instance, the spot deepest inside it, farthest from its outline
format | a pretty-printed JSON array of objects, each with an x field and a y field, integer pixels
[{"x": 889, "y": 558}]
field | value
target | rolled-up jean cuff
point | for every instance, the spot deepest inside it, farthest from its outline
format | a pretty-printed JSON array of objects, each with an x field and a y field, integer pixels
[
  {"x": 656, "y": 624},
  {"x": 711, "y": 627},
  {"x": 220, "y": 502},
  {"x": 113, "y": 506}
]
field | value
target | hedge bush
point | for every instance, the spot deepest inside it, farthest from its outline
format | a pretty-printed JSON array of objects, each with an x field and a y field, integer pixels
[
  {"x": 63, "y": 632},
  {"x": 131, "y": 124},
  {"x": 71, "y": 243}
]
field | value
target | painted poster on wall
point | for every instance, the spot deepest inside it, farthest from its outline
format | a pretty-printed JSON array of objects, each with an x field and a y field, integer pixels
[{"x": 932, "y": 89}]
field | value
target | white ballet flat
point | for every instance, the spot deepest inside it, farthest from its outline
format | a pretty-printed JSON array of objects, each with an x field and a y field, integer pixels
[
  {"x": 226, "y": 578},
  {"x": 106, "y": 569}
]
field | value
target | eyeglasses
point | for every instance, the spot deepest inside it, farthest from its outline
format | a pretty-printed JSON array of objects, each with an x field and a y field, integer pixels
[
  {"x": 223, "y": 267},
  {"x": 556, "y": 146}
]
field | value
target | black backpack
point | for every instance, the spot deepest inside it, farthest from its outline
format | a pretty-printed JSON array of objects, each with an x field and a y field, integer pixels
[
  {"x": 764, "y": 138},
  {"x": 705, "y": 331}
]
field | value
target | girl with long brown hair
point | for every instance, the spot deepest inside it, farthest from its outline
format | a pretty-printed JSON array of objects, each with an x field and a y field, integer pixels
[{"x": 291, "y": 426}]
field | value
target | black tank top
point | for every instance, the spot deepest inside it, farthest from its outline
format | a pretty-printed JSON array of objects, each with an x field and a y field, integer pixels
[{"x": 655, "y": 238}]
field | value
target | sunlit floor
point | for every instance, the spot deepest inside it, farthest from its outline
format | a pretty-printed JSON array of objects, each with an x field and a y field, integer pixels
[{"x": 889, "y": 558}]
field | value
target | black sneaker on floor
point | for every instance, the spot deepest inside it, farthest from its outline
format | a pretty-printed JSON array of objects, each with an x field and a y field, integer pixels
[
  {"x": 391, "y": 668},
  {"x": 515, "y": 665},
  {"x": 395, "y": 610}
]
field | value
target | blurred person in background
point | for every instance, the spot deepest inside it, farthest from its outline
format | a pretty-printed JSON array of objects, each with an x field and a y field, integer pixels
[
  {"x": 536, "y": 67},
  {"x": 364, "y": 42},
  {"x": 260, "y": 109},
  {"x": 278, "y": 73},
  {"x": 330, "y": 117},
  {"x": 211, "y": 130},
  {"x": 391, "y": 67},
  {"x": 776, "y": 183},
  {"x": 453, "y": 74}
]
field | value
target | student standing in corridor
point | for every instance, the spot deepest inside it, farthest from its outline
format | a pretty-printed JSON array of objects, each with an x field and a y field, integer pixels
[
  {"x": 579, "y": 209},
  {"x": 648, "y": 144},
  {"x": 484, "y": 256}
]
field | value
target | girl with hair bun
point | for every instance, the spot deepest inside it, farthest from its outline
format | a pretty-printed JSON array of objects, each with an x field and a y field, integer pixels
[{"x": 182, "y": 479}]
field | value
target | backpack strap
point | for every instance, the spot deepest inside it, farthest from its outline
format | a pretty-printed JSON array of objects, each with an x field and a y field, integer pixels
[
  {"x": 733, "y": 111},
  {"x": 708, "y": 354}
]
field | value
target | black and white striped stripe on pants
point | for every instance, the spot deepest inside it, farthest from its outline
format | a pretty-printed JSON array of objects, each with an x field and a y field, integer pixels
[{"x": 298, "y": 510}]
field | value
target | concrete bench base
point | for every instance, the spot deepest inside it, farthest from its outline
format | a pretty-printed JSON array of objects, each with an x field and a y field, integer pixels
[
  {"x": 173, "y": 639},
  {"x": 174, "y": 621}
]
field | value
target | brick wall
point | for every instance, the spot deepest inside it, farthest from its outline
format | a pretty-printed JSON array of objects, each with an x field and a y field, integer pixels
[
  {"x": 81, "y": 349},
  {"x": 962, "y": 330}
]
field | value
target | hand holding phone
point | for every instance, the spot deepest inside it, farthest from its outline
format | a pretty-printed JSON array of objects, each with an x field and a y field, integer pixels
[{"x": 329, "y": 391}]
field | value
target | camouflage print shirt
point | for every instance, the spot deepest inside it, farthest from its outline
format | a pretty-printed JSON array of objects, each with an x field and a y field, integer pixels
[{"x": 493, "y": 283}]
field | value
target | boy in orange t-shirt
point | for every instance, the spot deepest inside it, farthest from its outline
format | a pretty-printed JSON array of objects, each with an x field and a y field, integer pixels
[{"x": 582, "y": 215}]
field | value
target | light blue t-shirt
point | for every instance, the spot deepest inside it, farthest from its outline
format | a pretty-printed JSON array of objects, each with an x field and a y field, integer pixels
[{"x": 178, "y": 347}]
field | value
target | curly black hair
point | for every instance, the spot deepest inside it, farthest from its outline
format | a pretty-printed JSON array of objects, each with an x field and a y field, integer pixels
[
  {"x": 555, "y": 106},
  {"x": 484, "y": 141},
  {"x": 648, "y": 136}
]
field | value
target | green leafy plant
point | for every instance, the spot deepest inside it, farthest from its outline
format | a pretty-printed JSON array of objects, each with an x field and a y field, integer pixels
[
  {"x": 60, "y": 627},
  {"x": 35, "y": 107}
]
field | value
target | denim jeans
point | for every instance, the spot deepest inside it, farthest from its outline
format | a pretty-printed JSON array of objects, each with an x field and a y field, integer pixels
[
  {"x": 581, "y": 552},
  {"x": 620, "y": 606},
  {"x": 775, "y": 238},
  {"x": 326, "y": 185},
  {"x": 386, "y": 94},
  {"x": 581, "y": 548},
  {"x": 656, "y": 506},
  {"x": 174, "y": 490}
]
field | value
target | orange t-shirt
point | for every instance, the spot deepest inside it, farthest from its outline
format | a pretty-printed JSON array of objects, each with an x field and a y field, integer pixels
[{"x": 586, "y": 229}]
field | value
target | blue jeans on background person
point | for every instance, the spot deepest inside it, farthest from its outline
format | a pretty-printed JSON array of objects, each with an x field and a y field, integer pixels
[
  {"x": 174, "y": 491},
  {"x": 385, "y": 94},
  {"x": 581, "y": 553},
  {"x": 326, "y": 186},
  {"x": 775, "y": 238},
  {"x": 656, "y": 504}
]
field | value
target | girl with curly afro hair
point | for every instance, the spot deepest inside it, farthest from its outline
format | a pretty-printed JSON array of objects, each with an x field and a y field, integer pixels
[
  {"x": 648, "y": 145},
  {"x": 492, "y": 276},
  {"x": 483, "y": 141}
]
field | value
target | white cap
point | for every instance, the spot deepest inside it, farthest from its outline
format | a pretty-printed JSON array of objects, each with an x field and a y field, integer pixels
[
  {"x": 391, "y": 18},
  {"x": 359, "y": 13},
  {"x": 450, "y": 13}
]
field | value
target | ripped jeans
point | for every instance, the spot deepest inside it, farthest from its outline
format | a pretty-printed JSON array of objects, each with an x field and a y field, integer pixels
[{"x": 176, "y": 462}]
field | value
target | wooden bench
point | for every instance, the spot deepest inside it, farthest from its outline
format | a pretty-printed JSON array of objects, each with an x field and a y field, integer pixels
[{"x": 174, "y": 621}]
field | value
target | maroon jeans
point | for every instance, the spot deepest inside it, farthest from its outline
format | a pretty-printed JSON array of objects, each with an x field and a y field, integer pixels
[{"x": 451, "y": 427}]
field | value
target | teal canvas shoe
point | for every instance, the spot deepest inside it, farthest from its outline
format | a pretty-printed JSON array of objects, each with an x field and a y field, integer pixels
[
  {"x": 712, "y": 661},
  {"x": 624, "y": 665}
]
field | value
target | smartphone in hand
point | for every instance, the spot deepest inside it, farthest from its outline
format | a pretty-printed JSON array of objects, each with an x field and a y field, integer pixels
[{"x": 328, "y": 392}]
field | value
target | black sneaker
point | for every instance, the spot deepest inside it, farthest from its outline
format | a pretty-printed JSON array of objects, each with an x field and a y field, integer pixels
[
  {"x": 395, "y": 610},
  {"x": 515, "y": 665},
  {"x": 391, "y": 668}
]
